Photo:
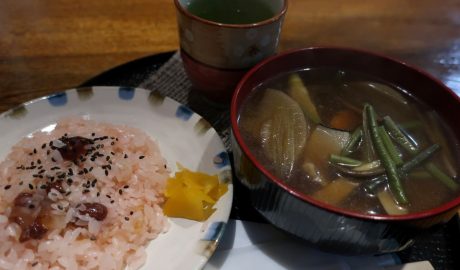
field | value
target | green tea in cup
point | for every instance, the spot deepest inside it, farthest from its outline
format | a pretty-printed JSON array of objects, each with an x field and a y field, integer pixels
[{"x": 231, "y": 11}]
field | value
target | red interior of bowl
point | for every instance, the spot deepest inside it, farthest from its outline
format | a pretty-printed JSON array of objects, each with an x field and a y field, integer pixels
[{"x": 420, "y": 84}]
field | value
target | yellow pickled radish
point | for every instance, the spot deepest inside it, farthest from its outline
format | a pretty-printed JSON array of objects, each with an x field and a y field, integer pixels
[
  {"x": 192, "y": 195},
  {"x": 218, "y": 191},
  {"x": 183, "y": 204}
]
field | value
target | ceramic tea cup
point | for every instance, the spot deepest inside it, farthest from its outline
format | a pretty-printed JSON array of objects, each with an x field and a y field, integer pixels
[{"x": 220, "y": 43}]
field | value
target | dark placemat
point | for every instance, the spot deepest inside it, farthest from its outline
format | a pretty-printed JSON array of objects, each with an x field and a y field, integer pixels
[{"x": 164, "y": 73}]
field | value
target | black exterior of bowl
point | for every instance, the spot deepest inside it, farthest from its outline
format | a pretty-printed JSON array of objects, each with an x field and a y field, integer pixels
[
  {"x": 326, "y": 230},
  {"x": 325, "y": 227}
]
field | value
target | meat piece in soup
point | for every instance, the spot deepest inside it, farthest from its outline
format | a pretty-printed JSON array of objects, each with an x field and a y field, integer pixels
[{"x": 366, "y": 146}]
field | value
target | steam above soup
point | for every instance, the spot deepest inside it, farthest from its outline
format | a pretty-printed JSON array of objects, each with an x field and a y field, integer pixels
[{"x": 351, "y": 141}]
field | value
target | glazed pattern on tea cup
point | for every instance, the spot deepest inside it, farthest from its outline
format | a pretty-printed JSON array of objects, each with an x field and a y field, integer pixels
[{"x": 226, "y": 48}]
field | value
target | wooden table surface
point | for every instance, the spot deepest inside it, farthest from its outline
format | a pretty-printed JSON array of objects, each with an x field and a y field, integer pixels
[{"x": 51, "y": 45}]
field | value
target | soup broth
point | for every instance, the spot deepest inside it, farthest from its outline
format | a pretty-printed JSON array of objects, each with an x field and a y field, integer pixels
[{"x": 352, "y": 141}]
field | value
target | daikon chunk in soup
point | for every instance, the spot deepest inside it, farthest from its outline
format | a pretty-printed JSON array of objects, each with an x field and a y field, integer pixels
[{"x": 352, "y": 141}]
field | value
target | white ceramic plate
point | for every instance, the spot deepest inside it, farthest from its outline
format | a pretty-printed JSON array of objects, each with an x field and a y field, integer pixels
[{"x": 183, "y": 137}]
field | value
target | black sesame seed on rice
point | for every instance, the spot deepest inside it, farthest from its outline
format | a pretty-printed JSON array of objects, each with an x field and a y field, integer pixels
[
  {"x": 112, "y": 201},
  {"x": 7, "y": 187},
  {"x": 126, "y": 156},
  {"x": 43, "y": 146},
  {"x": 31, "y": 186},
  {"x": 126, "y": 186},
  {"x": 53, "y": 160},
  {"x": 31, "y": 206},
  {"x": 131, "y": 213},
  {"x": 120, "y": 191},
  {"x": 106, "y": 173},
  {"x": 85, "y": 191},
  {"x": 35, "y": 151},
  {"x": 127, "y": 218},
  {"x": 98, "y": 194},
  {"x": 141, "y": 157}
]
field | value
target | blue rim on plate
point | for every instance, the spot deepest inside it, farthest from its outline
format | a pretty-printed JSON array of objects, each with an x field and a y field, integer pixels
[{"x": 184, "y": 138}]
